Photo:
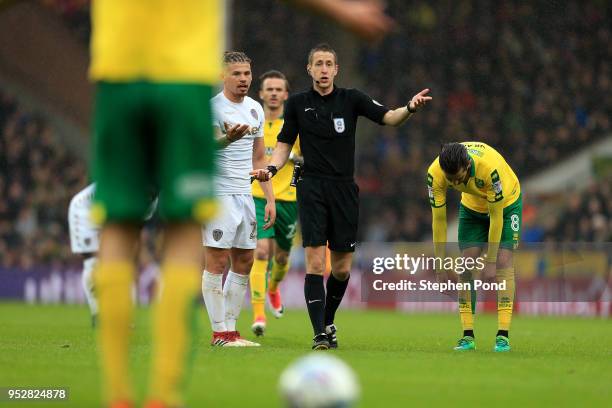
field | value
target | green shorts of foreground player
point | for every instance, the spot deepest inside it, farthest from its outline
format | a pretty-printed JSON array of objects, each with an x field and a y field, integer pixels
[
  {"x": 474, "y": 226},
  {"x": 148, "y": 138},
  {"x": 285, "y": 226}
]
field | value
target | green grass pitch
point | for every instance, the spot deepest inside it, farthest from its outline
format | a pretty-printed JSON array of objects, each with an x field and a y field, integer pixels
[{"x": 402, "y": 360}]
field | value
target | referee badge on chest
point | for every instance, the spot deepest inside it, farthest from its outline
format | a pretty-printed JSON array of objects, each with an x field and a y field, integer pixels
[{"x": 339, "y": 125}]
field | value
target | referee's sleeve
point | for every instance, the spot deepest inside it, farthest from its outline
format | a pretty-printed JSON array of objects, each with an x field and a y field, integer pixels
[
  {"x": 369, "y": 107},
  {"x": 290, "y": 129}
]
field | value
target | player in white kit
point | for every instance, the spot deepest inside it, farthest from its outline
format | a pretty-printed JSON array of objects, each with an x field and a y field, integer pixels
[
  {"x": 230, "y": 239},
  {"x": 85, "y": 240}
]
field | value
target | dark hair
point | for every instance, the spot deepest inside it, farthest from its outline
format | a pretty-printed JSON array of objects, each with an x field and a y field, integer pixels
[
  {"x": 235, "y": 57},
  {"x": 273, "y": 74},
  {"x": 453, "y": 157},
  {"x": 324, "y": 47}
]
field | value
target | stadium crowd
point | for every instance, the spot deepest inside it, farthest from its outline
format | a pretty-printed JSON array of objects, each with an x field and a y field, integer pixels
[
  {"x": 38, "y": 177},
  {"x": 533, "y": 79}
]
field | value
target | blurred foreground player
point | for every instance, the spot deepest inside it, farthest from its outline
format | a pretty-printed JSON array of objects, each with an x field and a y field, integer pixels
[
  {"x": 152, "y": 127},
  {"x": 325, "y": 116},
  {"x": 490, "y": 213},
  {"x": 273, "y": 244}
]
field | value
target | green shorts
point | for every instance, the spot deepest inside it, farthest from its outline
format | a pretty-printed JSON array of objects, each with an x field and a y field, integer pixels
[
  {"x": 474, "y": 226},
  {"x": 285, "y": 226},
  {"x": 153, "y": 138}
]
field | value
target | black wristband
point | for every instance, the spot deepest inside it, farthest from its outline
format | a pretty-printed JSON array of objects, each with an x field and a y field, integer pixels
[
  {"x": 410, "y": 110},
  {"x": 273, "y": 170}
]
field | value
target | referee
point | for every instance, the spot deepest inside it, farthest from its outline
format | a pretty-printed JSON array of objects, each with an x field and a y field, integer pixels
[{"x": 325, "y": 117}]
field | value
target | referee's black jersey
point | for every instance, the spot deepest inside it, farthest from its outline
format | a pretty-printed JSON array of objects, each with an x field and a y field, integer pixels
[{"x": 326, "y": 125}]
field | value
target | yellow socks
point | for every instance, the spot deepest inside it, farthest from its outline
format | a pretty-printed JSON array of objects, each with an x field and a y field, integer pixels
[
  {"x": 113, "y": 286},
  {"x": 505, "y": 298},
  {"x": 277, "y": 275},
  {"x": 467, "y": 303},
  {"x": 173, "y": 330},
  {"x": 257, "y": 278}
]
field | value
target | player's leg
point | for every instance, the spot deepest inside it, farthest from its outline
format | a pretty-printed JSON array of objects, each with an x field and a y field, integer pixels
[
  {"x": 285, "y": 229},
  {"x": 183, "y": 151},
  {"x": 505, "y": 273},
  {"x": 219, "y": 235},
  {"x": 234, "y": 291},
  {"x": 217, "y": 262},
  {"x": 258, "y": 274},
  {"x": 257, "y": 279},
  {"x": 241, "y": 254},
  {"x": 121, "y": 173},
  {"x": 472, "y": 234},
  {"x": 175, "y": 311},
  {"x": 87, "y": 280}
]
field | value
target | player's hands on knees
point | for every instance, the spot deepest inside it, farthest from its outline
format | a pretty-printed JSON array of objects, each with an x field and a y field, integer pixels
[
  {"x": 236, "y": 132},
  {"x": 419, "y": 100},
  {"x": 269, "y": 215}
]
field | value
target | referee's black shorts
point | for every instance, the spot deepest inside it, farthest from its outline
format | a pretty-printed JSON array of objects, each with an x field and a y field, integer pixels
[{"x": 329, "y": 212}]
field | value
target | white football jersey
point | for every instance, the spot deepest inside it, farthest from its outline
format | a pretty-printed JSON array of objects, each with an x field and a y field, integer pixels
[
  {"x": 235, "y": 161},
  {"x": 83, "y": 232}
]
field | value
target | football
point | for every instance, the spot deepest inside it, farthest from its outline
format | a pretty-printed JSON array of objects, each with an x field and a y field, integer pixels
[{"x": 319, "y": 381}]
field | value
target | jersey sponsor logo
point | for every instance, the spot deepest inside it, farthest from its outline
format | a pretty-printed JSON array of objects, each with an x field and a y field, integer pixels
[
  {"x": 497, "y": 185},
  {"x": 308, "y": 109},
  {"x": 254, "y": 114},
  {"x": 376, "y": 102},
  {"x": 217, "y": 234},
  {"x": 475, "y": 152},
  {"x": 339, "y": 125}
]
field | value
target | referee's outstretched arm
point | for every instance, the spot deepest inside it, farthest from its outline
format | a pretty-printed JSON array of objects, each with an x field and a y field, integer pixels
[{"x": 397, "y": 117}]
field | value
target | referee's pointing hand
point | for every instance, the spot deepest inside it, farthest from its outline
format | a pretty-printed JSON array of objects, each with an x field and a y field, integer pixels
[{"x": 419, "y": 100}]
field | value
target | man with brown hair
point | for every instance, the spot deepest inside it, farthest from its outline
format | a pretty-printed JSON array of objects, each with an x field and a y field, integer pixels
[{"x": 325, "y": 117}]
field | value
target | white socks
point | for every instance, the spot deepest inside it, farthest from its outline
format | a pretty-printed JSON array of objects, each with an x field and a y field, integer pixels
[
  {"x": 88, "y": 284},
  {"x": 234, "y": 291},
  {"x": 223, "y": 304},
  {"x": 212, "y": 291}
]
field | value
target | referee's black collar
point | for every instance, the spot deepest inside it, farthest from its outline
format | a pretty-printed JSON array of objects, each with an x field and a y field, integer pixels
[{"x": 329, "y": 95}]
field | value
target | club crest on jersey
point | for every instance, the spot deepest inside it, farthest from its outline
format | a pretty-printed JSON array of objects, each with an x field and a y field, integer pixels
[
  {"x": 254, "y": 114},
  {"x": 217, "y": 234},
  {"x": 339, "y": 125},
  {"x": 479, "y": 183}
]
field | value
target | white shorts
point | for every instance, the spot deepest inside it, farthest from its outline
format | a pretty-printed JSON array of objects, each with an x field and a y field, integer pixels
[
  {"x": 84, "y": 234},
  {"x": 235, "y": 226}
]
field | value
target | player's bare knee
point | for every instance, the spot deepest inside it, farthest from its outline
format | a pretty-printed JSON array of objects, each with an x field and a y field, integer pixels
[
  {"x": 281, "y": 257},
  {"x": 261, "y": 253},
  {"x": 217, "y": 260},
  {"x": 242, "y": 260}
]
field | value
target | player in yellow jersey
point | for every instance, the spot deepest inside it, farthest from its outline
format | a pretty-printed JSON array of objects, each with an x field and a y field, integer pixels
[
  {"x": 154, "y": 65},
  {"x": 274, "y": 244},
  {"x": 490, "y": 213}
]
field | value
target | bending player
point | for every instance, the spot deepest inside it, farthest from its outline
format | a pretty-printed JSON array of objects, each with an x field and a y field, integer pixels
[
  {"x": 490, "y": 212},
  {"x": 273, "y": 244},
  {"x": 230, "y": 239}
]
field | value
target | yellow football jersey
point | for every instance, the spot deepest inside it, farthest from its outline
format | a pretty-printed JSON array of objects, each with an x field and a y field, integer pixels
[
  {"x": 280, "y": 183},
  {"x": 157, "y": 40},
  {"x": 491, "y": 180}
]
